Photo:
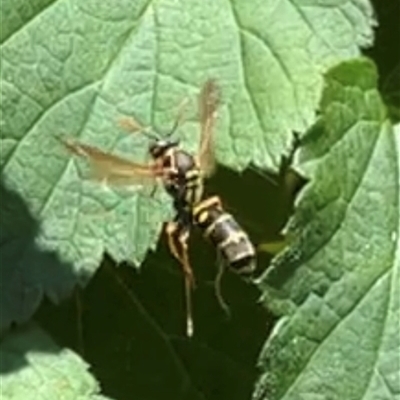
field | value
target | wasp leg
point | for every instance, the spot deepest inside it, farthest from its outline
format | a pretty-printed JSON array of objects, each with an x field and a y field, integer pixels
[
  {"x": 217, "y": 285},
  {"x": 189, "y": 281},
  {"x": 178, "y": 234}
]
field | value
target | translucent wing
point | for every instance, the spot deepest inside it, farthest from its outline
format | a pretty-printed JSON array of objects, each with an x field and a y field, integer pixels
[
  {"x": 113, "y": 169},
  {"x": 208, "y": 103}
]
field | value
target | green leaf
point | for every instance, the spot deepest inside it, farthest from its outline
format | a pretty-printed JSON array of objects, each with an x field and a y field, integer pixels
[
  {"x": 72, "y": 67},
  {"x": 337, "y": 285},
  {"x": 33, "y": 366}
]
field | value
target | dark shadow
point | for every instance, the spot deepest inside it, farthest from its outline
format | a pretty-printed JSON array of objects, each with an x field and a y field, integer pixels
[
  {"x": 386, "y": 54},
  {"x": 28, "y": 273},
  {"x": 130, "y": 325},
  {"x": 386, "y": 50},
  {"x": 256, "y": 200}
]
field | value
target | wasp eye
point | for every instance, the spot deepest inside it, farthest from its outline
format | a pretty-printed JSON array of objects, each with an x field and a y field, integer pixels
[{"x": 167, "y": 162}]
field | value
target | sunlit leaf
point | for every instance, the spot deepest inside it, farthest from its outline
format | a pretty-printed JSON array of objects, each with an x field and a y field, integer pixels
[
  {"x": 337, "y": 286},
  {"x": 73, "y": 68},
  {"x": 34, "y": 367}
]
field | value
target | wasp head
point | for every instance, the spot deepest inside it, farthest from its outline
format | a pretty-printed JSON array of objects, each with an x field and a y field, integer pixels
[{"x": 159, "y": 147}]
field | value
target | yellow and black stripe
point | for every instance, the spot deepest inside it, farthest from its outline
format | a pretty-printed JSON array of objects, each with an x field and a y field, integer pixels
[
  {"x": 226, "y": 234},
  {"x": 184, "y": 179}
]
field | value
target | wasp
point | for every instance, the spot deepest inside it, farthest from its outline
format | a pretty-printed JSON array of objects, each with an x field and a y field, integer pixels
[{"x": 182, "y": 174}]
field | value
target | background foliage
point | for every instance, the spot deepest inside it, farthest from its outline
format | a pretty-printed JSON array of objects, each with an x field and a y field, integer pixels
[{"x": 74, "y": 68}]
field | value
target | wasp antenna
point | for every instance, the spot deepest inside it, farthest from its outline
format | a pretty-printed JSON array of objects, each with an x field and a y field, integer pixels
[
  {"x": 131, "y": 125},
  {"x": 180, "y": 115},
  {"x": 150, "y": 135},
  {"x": 70, "y": 145},
  {"x": 62, "y": 139}
]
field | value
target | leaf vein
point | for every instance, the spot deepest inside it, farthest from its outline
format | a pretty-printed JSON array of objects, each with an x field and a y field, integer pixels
[
  {"x": 28, "y": 22},
  {"x": 245, "y": 80},
  {"x": 304, "y": 17}
]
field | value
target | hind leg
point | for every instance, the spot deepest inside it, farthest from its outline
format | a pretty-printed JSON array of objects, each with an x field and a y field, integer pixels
[{"x": 178, "y": 236}]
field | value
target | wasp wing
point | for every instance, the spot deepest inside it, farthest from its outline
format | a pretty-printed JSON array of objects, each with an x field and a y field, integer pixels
[
  {"x": 113, "y": 169},
  {"x": 208, "y": 103}
]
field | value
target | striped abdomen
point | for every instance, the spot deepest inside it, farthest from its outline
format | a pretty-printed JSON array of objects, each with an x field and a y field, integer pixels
[{"x": 226, "y": 234}]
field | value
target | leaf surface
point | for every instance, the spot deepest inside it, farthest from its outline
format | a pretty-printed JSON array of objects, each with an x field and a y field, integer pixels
[
  {"x": 73, "y": 68},
  {"x": 33, "y": 366},
  {"x": 337, "y": 285}
]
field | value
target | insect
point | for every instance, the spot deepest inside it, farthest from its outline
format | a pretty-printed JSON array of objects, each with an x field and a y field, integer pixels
[{"x": 182, "y": 175}]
